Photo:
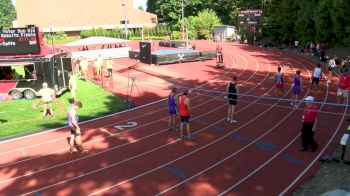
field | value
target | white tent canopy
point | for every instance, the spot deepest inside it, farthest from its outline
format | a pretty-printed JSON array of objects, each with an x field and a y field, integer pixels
[{"x": 96, "y": 41}]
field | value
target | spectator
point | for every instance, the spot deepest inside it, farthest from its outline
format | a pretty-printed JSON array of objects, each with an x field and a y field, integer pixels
[
  {"x": 343, "y": 88},
  {"x": 73, "y": 87},
  {"x": 110, "y": 67},
  {"x": 296, "y": 44},
  {"x": 98, "y": 67},
  {"x": 84, "y": 67},
  {"x": 309, "y": 125},
  {"x": 331, "y": 65},
  {"x": 47, "y": 96}
]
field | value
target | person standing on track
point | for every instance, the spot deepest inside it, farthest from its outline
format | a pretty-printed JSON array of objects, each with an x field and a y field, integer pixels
[
  {"x": 296, "y": 87},
  {"x": 219, "y": 53},
  {"x": 172, "y": 109},
  {"x": 279, "y": 82},
  {"x": 185, "y": 112},
  {"x": 232, "y": 91},
  {"x": 309, "y": 125},
  {"x": 316, "y": 75},
  {"x": 74, "y": 128}
]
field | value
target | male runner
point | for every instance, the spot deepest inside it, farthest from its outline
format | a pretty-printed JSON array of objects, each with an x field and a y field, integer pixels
[
  {"x": 74, "y": 128},
  {"x": 185, "y": 113}
]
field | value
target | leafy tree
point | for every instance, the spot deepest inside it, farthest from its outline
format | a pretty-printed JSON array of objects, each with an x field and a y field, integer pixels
[
  {"x": 323, "y": 22},
  {"x": 7, "y": 13},
  {"x": 141, "y": 8},
  {"x": 170, "y": 11},
  {"x": 204, "y": 23}
]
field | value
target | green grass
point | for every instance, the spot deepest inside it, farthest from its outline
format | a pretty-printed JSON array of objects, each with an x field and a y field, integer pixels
[{"x": 22, "y": 119}]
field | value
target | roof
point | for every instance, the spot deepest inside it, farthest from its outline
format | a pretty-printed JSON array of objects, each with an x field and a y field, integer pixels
[{"x": 96, "y": 41}]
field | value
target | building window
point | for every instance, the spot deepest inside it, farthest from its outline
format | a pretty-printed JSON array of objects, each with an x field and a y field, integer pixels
[
  {"x": 123, "y": 22},
  {"x": 18, "y": 72}
]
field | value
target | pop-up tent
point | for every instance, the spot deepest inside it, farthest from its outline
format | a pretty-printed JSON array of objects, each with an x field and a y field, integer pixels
[{"x": 96, "y": 41}]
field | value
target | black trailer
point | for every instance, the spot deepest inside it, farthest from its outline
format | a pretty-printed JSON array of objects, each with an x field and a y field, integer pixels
[{"x": 23, "y": 77}]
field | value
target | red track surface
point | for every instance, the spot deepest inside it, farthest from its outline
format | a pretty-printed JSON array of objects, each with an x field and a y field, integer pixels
[{"x": 256, "y": 156}]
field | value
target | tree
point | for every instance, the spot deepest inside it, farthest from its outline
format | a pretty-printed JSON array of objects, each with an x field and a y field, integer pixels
[
  {"x": 7, "y": 13},
  {"x": 170, "y": 11},
  {"x": 204, "y": 23},
  {"x": 141, "y": 8}
]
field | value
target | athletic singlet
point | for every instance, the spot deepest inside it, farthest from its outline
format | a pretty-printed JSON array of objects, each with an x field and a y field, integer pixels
[
  {"x": 171, "y": 101},
  {"x": 70, "y": 118},
  {"x": 297, "y": 81},
  {"x": 183, "y": 108},
  {"x": 232, "y": 91},
  {"x": 279, "y": 79}
]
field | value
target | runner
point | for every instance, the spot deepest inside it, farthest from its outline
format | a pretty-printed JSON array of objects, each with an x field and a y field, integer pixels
[
  {"x": 75, "y": 129},
  {"x": 232, "y": 91},
  {"x": 172, "y": 109},
  {"x": 309, "y": 125},
  {"x": 185, "y": 113},
  {"x": 219, "y": 53},
  {"x": 296, "y": 88},
  {"x": 279, "y": 82},
  {"x": 316, "y": 75}
]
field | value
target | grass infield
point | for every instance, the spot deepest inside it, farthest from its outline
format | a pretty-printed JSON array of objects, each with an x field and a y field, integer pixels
[{"x": 18, "y": 117}]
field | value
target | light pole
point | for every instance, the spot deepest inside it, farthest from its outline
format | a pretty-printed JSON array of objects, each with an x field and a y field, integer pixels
[
  {"x": 183, "y": 22},
  {"x": 125, "y": 21}
]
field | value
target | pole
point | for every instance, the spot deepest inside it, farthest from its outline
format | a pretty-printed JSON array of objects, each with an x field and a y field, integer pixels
[
  {"x": 125, "y": 20},
  {"x": 186, "y": 37},
  {"x": 142, "y": 32},
  {"x": 183, "y": 25}
]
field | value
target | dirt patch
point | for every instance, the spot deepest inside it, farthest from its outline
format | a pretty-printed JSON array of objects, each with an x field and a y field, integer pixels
[{"x": 329, "y": 177}]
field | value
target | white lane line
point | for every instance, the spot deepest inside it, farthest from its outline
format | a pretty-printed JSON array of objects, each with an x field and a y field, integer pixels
[
  {"x": 213, "y": 80},
  {"x": 105, "y": 130},
  {"x": 94, "y": 141},
  {"x": 250, "y": 90},
  {"x": 147, "y": 172},
  {"x": 95, "y": 129},
  {"x": 139, "y": 107},
  {"x": 219, "y": 162},
  {"x": 277, "y": 154}
]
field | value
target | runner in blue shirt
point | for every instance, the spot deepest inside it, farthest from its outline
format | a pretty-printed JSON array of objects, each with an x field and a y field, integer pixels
[{"x": 172, "y": 109}]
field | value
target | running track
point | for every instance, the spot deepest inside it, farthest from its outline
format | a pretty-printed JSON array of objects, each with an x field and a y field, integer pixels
[{"x": 256, "y": 156}]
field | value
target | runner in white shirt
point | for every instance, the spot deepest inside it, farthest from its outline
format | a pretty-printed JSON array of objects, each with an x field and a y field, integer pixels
[
  {"x": 316, "y": 75},
  {"x": 331, "y": 66}
]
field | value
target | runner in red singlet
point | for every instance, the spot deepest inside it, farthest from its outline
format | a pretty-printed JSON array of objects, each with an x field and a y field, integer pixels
[{"x": 185, "y": 113}]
